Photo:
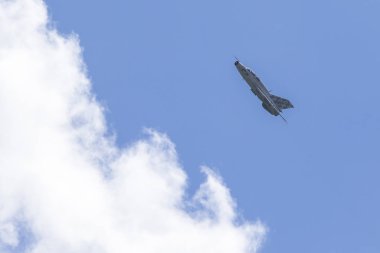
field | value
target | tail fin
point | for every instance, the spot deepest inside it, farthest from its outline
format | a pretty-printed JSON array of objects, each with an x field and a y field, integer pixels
[{"x": 282, "y": 103}]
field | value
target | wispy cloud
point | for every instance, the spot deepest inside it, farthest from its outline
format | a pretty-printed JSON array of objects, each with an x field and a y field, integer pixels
[{"x": 65, "y": 186}]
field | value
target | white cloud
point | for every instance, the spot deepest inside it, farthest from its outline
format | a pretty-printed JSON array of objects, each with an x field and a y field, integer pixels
[
  {"x": 64, "y": 185},
  {"x": 8, "y": 234}
]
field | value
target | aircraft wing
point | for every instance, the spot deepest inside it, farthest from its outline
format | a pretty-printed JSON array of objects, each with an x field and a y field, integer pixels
[
  {"x": 282, "y": 103},
  {"x": 272, "y": 103}
]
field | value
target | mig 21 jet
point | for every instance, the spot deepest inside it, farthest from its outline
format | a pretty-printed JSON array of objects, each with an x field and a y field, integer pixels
[{"x": 273, "y": 104}]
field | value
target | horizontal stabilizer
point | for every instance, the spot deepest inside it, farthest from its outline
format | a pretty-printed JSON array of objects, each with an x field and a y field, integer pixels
[{"x": 281, "y": 103}]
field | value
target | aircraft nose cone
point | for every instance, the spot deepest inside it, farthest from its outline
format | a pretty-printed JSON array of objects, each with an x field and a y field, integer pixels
[{"x": 236, "y": 63}]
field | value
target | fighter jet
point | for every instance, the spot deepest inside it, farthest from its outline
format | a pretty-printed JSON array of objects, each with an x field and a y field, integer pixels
[{"x": 273, "y": 104}]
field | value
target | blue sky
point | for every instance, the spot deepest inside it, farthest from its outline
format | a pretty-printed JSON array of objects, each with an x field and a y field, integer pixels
[{"x": 168, "y": 65}]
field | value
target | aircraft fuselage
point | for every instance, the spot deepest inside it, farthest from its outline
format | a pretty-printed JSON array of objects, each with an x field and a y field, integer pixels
[{"x": 258, "y": 88}]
